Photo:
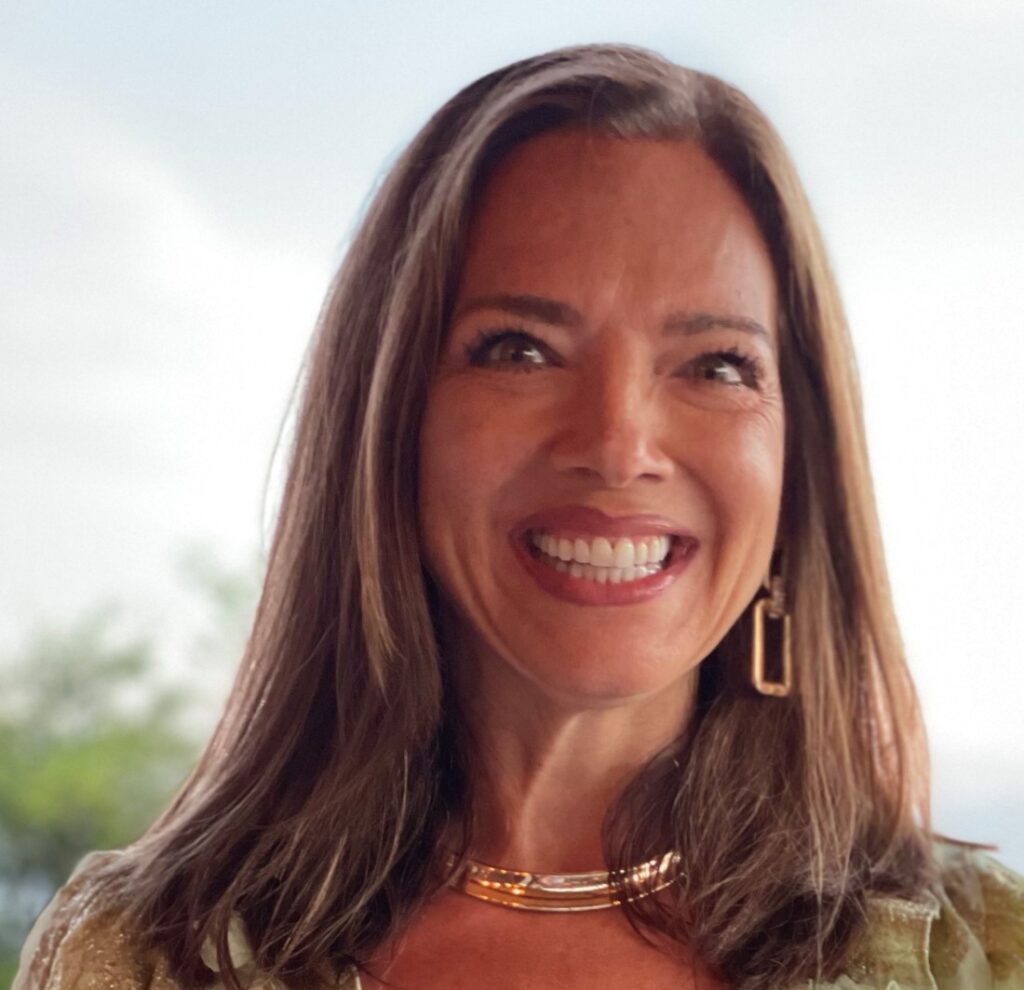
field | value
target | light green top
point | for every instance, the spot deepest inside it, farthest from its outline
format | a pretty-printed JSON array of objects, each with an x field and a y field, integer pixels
[{"x": 968, "y": 935}]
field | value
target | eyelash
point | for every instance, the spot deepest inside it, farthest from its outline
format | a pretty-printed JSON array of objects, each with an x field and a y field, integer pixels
[{"x": 476, "y": 353}]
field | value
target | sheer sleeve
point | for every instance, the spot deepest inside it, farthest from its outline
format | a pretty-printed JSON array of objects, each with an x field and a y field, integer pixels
[
  {"x": 79, "y": 942},
  {"x": 968, "y": 934},
  {"x": 983, "y": 918}
]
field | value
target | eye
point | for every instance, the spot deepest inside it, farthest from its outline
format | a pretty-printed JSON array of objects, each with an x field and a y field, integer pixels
[
  {"x": 729, "y": 367},
  {"x": 511, "y": 347}
]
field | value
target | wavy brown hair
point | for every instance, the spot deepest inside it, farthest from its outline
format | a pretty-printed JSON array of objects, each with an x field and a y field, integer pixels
[{"x": 316, "y": 809}]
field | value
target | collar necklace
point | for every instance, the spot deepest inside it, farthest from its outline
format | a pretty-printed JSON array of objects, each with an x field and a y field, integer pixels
[{"x": 565, "y": 891}]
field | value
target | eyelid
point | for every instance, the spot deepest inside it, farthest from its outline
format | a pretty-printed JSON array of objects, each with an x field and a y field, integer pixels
[
  {"x": 490, "y": 337},
  {"x": 749, "y": 362}
]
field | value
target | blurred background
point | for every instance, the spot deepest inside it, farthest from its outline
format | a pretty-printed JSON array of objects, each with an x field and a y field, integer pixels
[{"x": 178, "y": 183}]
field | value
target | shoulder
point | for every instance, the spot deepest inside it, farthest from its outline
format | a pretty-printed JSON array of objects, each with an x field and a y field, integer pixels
[
  {"x": 982, "y": 902},
  {"x": 81, "y": 941},
  {"x": 966, "y": 933}
]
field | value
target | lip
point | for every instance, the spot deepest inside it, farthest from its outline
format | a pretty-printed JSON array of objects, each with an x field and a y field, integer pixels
[{"x": 584, "y": 521}]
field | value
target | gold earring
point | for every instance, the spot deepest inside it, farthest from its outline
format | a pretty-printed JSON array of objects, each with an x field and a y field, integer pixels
[{"x": 772, "y": 606}]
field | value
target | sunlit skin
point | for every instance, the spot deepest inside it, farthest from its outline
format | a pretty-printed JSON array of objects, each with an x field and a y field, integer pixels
[{"x": 569, "y": 700}]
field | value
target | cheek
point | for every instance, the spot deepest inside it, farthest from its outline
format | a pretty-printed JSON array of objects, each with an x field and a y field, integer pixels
[
  {"x": 742, "y": 471},
  {"x": 468, "y": 454},
  {"x": 437, "y": 471},
  {"x": 452, "y": 442},
  {"x": 754, "y": 471},
  {"x": 741, "y": 477}
]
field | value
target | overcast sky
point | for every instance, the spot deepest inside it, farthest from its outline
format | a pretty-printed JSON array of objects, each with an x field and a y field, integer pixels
[{"x": 177, "y": 183}]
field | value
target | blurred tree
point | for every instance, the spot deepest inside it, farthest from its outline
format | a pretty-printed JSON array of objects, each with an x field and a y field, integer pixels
[{"x": 92, "y": 744}]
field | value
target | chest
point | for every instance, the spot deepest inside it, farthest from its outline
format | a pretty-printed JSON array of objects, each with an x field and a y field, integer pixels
[{"x": 458, "y": 943}]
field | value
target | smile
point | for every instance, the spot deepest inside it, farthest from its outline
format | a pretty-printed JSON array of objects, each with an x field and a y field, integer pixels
[
  {"x": 617, "y": 582},
  {"x": 602, "y": 560}
]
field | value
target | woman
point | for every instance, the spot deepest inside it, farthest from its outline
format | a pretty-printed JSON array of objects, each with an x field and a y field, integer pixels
[{"x": 577, "y": 571}]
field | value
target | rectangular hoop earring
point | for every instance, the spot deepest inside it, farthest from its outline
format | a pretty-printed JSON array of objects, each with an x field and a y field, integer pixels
[{"x": 777, "y": 689}]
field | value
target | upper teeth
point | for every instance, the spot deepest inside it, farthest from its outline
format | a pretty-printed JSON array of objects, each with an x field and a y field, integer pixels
[{"x": 601, "y": 552}]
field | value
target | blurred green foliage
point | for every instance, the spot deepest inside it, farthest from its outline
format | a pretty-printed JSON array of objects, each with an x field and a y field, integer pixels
[
  {"x": 85, "y": 766},
  {"x": 92, "y": 740}
]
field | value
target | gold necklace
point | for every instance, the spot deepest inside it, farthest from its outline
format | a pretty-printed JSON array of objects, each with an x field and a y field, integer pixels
[{"x": 564, "y": 891}]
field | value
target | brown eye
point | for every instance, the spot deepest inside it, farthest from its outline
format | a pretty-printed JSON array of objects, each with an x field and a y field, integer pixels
[
  {"x": 508, "y": 347},
  {"x": 731, "y": 368}
]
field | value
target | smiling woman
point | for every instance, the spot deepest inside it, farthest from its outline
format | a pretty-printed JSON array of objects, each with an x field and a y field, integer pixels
[
  {"x": 628, "y": 413},
  {"x": 576, "y": 664}
]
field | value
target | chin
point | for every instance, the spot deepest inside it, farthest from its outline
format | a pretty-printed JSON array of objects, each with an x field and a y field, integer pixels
[{"x": 596, "y": 679}]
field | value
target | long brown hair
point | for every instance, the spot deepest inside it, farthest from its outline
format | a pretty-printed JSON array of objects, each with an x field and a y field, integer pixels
[{"x": 315, "y": 810}]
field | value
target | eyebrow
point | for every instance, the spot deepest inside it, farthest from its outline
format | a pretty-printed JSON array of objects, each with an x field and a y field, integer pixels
[{"x": 557, "y": 313}]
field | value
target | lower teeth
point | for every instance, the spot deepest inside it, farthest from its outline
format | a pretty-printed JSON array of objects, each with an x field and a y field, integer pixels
[{"x": 602, "y": 575}]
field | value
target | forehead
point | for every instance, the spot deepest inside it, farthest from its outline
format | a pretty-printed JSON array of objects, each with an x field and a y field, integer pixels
[{"x": 649, "y": 223}]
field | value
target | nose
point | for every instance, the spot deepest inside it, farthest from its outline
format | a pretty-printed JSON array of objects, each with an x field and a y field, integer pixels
[{"x": 612, "y": 425}]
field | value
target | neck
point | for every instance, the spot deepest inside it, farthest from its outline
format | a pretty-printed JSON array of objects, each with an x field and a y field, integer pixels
[{"x": 545, "y": 771}]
